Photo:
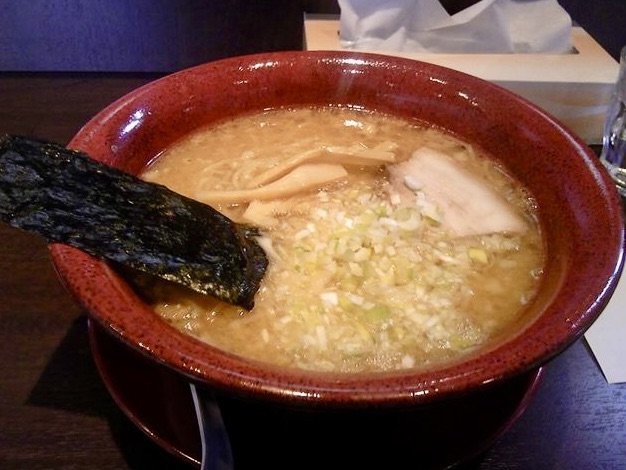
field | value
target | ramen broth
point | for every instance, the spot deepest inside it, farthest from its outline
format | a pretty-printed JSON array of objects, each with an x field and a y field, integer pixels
[{"x": 360, "y": 277}]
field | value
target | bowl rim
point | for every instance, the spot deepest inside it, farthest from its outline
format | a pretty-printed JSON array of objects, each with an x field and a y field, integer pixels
[{"x": 206, "y": 364}]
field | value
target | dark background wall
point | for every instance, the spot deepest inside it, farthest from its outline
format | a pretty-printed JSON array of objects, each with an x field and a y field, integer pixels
[
  {"x": 166, "y": 35},
  {"x": 140, "y": 35},
  {"x": 604, "y": 20}
]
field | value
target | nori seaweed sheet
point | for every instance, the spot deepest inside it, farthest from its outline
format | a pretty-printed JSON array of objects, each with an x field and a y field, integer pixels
[{"x": 68, "y": 197}]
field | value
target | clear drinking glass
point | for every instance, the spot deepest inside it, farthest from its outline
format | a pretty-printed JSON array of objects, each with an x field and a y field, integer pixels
[{"x": 613, "y": 154}]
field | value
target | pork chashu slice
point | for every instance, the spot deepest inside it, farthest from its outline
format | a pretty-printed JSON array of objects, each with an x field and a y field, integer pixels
[{"x": 466, "y": 203}]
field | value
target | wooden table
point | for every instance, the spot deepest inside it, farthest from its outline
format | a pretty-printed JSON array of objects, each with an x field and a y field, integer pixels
[{"x": 55, "y": 412}]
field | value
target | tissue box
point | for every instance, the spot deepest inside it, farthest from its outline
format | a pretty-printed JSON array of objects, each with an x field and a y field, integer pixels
[{"x": 575, "y": 88}]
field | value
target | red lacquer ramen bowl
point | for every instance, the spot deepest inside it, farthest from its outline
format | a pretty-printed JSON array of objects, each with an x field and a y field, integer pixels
[{"x": 578, "y": 207}]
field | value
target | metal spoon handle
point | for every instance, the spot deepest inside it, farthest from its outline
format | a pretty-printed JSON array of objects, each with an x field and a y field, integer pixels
[{"x": 216, "y": 451}]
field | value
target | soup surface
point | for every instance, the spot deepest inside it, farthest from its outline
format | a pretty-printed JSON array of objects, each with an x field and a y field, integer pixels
[{"x": 391, "y": 245}]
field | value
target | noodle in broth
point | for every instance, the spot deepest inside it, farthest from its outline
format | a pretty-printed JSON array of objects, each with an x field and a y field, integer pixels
[{"x": 359, "y": 280}]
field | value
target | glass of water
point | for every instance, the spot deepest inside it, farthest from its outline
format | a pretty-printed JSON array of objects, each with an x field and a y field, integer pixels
[{"x": 613, "y": 154}]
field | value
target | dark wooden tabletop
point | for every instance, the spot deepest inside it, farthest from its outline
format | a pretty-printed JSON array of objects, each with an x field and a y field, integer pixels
[{"x": 55, "y": 412}]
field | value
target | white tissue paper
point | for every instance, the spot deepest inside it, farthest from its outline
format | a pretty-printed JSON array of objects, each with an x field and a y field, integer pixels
[{"x": 484, "y": 26}]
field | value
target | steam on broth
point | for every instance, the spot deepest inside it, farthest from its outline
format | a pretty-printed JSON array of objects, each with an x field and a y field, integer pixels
[{"x": 374, "y": 264}]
